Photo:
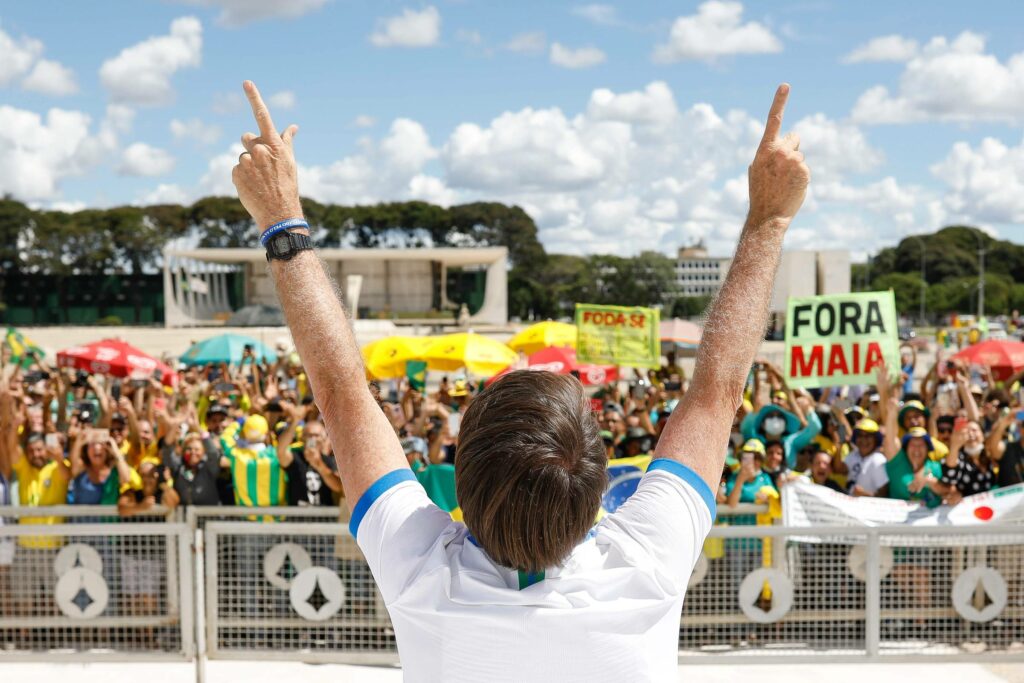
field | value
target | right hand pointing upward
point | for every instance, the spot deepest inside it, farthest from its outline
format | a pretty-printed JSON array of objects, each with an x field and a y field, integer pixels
[{"x": 778, "y": 175}]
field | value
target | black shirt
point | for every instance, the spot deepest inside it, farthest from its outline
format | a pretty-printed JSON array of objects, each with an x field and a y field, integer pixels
[
  {"x": 1011, "y": 467},
  {"x": 305, "y": 485},
  {"x": 829, "y": 484},
  {"x": 968, "y": 478},
  {"x": 197, "y": 486}
]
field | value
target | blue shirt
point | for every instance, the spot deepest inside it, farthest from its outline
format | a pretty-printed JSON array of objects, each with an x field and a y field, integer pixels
[{"x": 84, "y": 491}]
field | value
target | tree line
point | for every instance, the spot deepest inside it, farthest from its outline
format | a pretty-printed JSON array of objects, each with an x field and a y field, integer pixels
[
  {"x": 128, "y": 240},
  {"x": 951, "y": 273}
]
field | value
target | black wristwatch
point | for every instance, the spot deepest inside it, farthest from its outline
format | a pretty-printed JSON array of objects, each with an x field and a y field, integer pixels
[{"x": 284, "y": 245}]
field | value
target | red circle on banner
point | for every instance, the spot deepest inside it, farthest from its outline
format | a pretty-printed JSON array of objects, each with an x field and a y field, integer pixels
[{"x": 984, "y": 513}]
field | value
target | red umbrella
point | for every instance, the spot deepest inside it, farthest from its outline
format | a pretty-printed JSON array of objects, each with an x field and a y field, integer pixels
[
  {"x": 562, "y": 361},
  {"x": 1004, "y": 357},
  {"x": 114, "y": 357}
]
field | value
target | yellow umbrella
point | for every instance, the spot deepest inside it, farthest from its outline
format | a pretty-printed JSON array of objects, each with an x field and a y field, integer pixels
[
  {"x": 542, "y": 335},
  {"x": 386, "y": 358},
  {"x": 480, "y": 355}
]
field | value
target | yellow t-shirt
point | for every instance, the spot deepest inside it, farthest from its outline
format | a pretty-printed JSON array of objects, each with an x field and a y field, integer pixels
[{"x": 47, "y": 485}]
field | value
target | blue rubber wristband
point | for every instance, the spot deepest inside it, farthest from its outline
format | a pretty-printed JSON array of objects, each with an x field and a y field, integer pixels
[{"x": 280, "y": 227}]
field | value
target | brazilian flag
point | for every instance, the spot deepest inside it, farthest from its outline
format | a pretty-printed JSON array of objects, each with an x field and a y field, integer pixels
[
  {"x": 416, "y": 372},
  {"x": 20, "y": 345}
]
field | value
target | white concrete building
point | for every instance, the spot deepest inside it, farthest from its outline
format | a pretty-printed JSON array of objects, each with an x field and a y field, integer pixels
[
  {"x": 698, "y": 274},
  {"x": 394, "y": 281}
]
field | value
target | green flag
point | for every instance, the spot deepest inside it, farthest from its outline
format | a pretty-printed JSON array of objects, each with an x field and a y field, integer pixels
[{"x": 416, "y": 372}]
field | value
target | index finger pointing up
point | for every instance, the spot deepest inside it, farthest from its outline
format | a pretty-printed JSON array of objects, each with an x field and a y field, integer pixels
[
  {"x": 774, "y": 125},
  {"x": 260, "y": 111}
]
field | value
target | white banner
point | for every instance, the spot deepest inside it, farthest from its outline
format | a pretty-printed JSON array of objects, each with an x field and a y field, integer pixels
[{"x": 808, "y": 505}]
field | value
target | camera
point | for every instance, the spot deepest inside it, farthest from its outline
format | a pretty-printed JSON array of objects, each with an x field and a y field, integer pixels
[
  {"x": 36, "y": 376},
  {"x": 81, "y": 379},
  {"x": 85, "y": 413}
]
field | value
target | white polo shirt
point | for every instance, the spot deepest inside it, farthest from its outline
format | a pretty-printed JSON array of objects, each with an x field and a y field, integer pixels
[
  {"x": 610, "y": 613},
  {"x": 868, "y": 472}
]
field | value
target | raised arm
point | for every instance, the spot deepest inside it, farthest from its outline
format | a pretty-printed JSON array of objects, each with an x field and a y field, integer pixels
[
  {"x": 697, "y": 434},
  {"x": 365, "y": 446}
]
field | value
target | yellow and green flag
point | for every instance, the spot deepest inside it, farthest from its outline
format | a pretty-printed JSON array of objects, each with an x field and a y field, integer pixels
[{"x": 20, "y": 345}]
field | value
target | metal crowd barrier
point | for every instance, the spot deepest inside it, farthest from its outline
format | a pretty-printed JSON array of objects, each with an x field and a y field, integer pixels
[
  {"x": 79, "y": 583},
  {"x": 290, "y": 584}
]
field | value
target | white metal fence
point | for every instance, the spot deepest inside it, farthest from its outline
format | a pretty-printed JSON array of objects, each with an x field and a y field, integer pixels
[
  {"x": 290, "y": 583},
  {"x": 80, "y": 583}
]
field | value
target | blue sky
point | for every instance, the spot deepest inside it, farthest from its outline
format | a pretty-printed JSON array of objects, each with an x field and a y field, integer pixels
[{"x": 618, "y": 126}]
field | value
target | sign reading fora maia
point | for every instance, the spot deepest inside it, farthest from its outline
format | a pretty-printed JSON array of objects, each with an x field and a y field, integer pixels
[{"x": 840, "y": 338}]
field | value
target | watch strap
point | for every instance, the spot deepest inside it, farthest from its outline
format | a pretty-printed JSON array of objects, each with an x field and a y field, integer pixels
[{"x": 296, "y": 242}]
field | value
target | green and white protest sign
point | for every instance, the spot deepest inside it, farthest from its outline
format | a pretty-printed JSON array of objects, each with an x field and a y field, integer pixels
[
  {"x": 618, "y": 335},
  {"x": 840, "y": 339}
]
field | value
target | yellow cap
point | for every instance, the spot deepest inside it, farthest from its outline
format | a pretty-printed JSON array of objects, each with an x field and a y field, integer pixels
[
  {"x": 867, "y": 425},
  {"x": 255, "y": 428},
  {"x": 753, "y": 446}
]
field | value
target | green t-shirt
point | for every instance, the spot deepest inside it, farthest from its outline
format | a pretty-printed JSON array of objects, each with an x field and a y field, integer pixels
[{"x": 901, "y": 474}]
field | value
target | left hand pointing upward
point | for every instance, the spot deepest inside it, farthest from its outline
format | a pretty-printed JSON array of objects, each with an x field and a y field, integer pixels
[{"x": 266, "y": 176}]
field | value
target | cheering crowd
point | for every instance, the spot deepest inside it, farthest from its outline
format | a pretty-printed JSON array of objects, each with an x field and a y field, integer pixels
[{"x": 248, "y": 434}]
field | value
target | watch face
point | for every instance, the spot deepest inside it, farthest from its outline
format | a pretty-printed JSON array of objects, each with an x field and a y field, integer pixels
[{"x": 281, "y": 243}]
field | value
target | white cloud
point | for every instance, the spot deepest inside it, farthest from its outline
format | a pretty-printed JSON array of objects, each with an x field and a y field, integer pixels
[
  {"x": 526, "y": 150},
  {"x": 140, "y": 159},
  {"x": 228, "y": 102},
  {"x": 36, "y": 153},
  {"x": 281, "y": 100},
  {"x": 239, "y": 12},
  {"x": 834, "y": 149},
  {"x": 579, "y": 58},
  {"x": 164, "y": 193},
  {"x": 716, "y": 31},
  {"x": 597, "y": 13},
  {"x": 950, "y": 81},
  {"x": 532, "y": 43},
  {"x": 409, "y": 29},
  {"x": 430, "y": 189},
  {"x": 634, "y": 170},
  {"x": 364, "y": 121},
  {"x": 195, "y": 131},
  {"x": 386, "y": 170},
  {"x": 22, "y": 57},
  {"x": 653, "y": 106},
  {"x": 51, "y": 78},
  {"x": 892, "y": 48},
  {"x": 18, "y": 56},
  {"x": 67, "y": 206},
  {"x": 141, "y": 74},
  {"x": 469, "y": 36},
  {"x": 984, "y": 183}
]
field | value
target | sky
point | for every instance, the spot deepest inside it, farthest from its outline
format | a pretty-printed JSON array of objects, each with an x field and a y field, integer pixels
[{"x": 619, "y": 127}]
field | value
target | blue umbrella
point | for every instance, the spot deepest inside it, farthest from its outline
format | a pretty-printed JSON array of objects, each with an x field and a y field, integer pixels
[{"x": 225, "y": 348}]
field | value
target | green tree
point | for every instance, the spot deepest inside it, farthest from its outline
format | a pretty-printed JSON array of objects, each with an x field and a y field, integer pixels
[{"x": 907, "y": 290}]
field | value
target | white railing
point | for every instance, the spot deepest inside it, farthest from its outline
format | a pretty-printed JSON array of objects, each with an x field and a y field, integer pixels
[{"x": 217, "y": 583}]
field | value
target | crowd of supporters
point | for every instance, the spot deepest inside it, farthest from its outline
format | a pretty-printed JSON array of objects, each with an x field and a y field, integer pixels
[{"x": 249, "y": 434}]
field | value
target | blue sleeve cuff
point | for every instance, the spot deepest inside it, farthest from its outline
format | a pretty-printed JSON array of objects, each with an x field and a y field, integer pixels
[
  {"x": 376, "y": 490},
  {"x": 687, "y": 475}
]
